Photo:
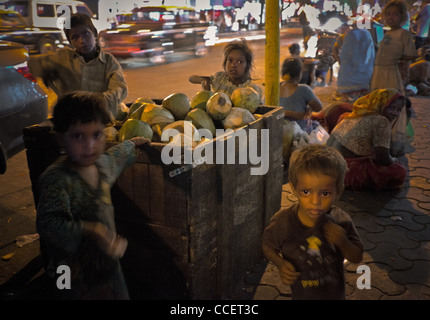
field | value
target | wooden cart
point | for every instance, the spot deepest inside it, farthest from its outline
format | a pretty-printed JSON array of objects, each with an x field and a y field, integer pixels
[{"x": 193, "y": 229}]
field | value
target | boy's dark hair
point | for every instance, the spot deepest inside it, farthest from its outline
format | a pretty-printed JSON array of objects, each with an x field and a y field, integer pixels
[
  {"x": 292, "y": 67},
  {"x": 80, "y": 107},
  {"x": 403, "y": 8},
  {"x": 294, "y": 48},
  {"x": 241, "y": 46},
  {"x": 318, "y": 158},
  {"x": 80, "y": 19}
]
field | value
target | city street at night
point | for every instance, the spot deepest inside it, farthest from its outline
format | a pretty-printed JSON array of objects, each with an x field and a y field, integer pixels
[{"x": 394, "y": 225}]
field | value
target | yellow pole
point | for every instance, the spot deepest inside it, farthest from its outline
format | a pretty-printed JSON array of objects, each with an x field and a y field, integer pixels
[{"x": 272, "y": 53}]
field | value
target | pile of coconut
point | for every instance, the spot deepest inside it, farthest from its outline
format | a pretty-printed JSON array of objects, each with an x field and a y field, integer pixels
[{"x": 206, "y": 110}]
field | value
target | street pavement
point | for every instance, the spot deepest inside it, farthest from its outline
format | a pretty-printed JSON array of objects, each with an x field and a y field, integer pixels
[{"x": 394, "y": 226}]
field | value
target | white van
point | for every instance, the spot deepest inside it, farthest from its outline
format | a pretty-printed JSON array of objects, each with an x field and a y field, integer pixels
[{"x": 43, "y": 13}]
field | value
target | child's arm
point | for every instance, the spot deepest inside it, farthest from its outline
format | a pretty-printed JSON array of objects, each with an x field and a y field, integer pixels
[
  {"x": 116, "y": 86},
  {"x": 39, "y": 64},
  {"x": 140, "y": 141},
  {"x": 198, "y": 79},
  {"x": 287, "y": 271},
  {"x": 122, "y": 155},
  {"x": 203, "y": 80},
  {"x": 43, "y": 66},
  {"x": 335, "y": 234},
  {"x": 315, "y": 105},
  {"x": 107, "y": 240}
]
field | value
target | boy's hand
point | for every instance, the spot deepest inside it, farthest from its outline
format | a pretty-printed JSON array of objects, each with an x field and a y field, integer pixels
[
  {"x": 140, "y": 141},
  {"x": 334, "y": 233},
  {"x": 288, "y": 273},
  {"x": 113, "y": 245},
  {"x": 108, "y": 241},
  {"x": 118, "y": 247}
]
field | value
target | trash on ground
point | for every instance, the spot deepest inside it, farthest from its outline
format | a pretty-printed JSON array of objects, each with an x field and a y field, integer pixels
[
  {"x": 8, "y": 256},
  {"x": 26, "y": 239}
]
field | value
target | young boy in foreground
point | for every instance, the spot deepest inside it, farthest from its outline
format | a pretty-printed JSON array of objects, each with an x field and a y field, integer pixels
[
  {"x": 313, "y": 236},
  {"x": 75, "y": 215}
]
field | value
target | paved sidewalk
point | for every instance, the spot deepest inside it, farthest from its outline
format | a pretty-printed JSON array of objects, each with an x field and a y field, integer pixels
[{"x": 395, "y": 228}]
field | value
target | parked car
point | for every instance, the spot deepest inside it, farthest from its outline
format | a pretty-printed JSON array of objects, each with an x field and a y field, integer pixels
[
  {"x": 24, "y": 103},
  {"x": 152, "y": 32},
  {"x": 37, "y": 40}
]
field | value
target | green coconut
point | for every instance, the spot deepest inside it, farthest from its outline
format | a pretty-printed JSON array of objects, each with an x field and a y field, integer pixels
[
  {"x": 219, "y": 106},
  {"x": 246, "y": 98},
  {"x": 134, "y": 128},
  {"x": 200, "y": 99},
  {"x": 138, "y": 103},
  {"x": 155, "y": 114},
  {"x": 122, "y": 112},
  {"x": 157, "y": 129},
  {"x": 137, "y": 114},
  {"x": 201, "y": 120},
  {"x": 178, "y": 104},
  {"x": 145, "y": 99}
]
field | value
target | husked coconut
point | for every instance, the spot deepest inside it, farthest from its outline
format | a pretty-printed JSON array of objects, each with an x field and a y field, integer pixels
[
  {"x": 182, "y": 126},
  {"x": 238, "y": 117},
  {"x": 246, "y": 98},
  {"x": 219, "y": 105},
  {"x": 182, "y": 140},
  {"x": 122, "y": 112}
]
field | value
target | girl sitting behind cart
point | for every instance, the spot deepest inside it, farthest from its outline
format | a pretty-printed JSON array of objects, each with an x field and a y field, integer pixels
[{"x": 237, "y": 65}]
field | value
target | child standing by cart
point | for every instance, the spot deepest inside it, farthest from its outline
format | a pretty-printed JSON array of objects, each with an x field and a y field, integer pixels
[
  {"x": 83, "y": 67},
  {"x": 313, "y": 236},
  {"x": 237, "y": 66},
  {"x": 75, "y": 215}
]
